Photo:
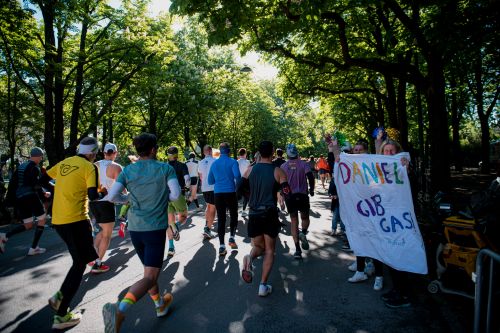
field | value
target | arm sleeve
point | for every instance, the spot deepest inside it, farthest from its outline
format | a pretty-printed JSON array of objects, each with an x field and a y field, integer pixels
[
  {"x": 115, "y": 193},
  {"x": 310, "y": 178},
  {"x": 175, "y": 189},
  {"x": 92, "y": 183}
]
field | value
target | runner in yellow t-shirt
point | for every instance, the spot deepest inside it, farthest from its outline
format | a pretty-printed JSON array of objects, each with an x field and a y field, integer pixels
[{"x": 76, "y": 182}]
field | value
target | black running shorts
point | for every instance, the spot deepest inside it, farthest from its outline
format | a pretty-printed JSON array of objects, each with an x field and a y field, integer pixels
[
  {"x": 194, "y": 181},
  {"x": 209, "y": 197},
  {"x": 29, "y": 206},
  {"x": 78, "y": 238},
  {"x": 103, "y": 211},
  {"x": 298, "y": 202},
  {"x": 265, "y": 222},
  {"x": 150, "y": 246}
]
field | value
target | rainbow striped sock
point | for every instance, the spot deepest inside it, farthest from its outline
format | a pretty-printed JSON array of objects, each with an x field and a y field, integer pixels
[
  {"x": 157, "y": 299},
  {"x": 127, "y": 302}
]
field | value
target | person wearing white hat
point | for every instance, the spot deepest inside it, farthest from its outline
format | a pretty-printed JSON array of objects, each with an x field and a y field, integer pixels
[
  {"x": 25, "y": 187},
  {"x": 104, "y": 210}
]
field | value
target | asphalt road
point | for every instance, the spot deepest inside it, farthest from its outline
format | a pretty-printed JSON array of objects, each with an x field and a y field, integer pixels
[{"x": 311, "y": 295}]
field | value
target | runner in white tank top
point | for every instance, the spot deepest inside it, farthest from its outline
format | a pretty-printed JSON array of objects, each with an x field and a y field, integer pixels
[{"x": 104, "y": 210}]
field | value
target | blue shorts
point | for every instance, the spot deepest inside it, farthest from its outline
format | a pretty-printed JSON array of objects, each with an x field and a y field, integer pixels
[{"x": 150, "y": 246}]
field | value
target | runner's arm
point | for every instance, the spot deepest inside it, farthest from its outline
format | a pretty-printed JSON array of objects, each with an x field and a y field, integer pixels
[
  {"x": 280, "y": 177},
  {"x": 115, "y": 194},
  {"x": 310, "y": 179},
  {"x": 175, "y": 189}
]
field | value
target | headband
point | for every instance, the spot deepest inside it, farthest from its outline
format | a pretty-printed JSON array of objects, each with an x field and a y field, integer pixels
[{"x": 87, "y": 149}]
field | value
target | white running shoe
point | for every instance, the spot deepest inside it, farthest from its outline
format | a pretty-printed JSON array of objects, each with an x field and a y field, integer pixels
[
  {"x": 38, "y": 250},
  {"x": 265, "y": 289},
  {"x": 379, "y": 283},
  {"x": 358, "y": 277},
  {"x": 353, "y": 267}
]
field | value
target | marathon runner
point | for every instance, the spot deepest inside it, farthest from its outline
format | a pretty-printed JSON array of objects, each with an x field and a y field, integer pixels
[
  {"x": 207, "y": 190},
  {"x": 243, "y": 165},
  {"x": 151, "y": 185},
  {"x": 25, "y": 190},
  {"x": 192, "y": 165}
]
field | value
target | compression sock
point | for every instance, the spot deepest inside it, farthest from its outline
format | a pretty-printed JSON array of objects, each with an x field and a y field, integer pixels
[
  {"x": 157, "y": 299},
  {"x": 171, "y": 243},
  {"x": 297, "y": 246},
  {"x": 127, "y": 302},
  {"x": 196, "y": 203},
  {"x": 16, "y": 230},
  {"x": 38, "y": 234}
]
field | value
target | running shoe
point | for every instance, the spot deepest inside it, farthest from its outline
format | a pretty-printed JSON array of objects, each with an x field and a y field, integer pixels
[
  {"x": 69, "y": 320},
  {"x": 247, "y": 272},
  {"x": 55, "y": 301},
  {"x": 297, "y": 255},
  {"x": 358, "y": 277},
  {"x": 232, "y": 244},
  {"x": 304, "y": 243},
  {"x": 175, "y": 232},
  {"x": 244, "y": 213},
  {"x": 3, "y": 240},
  {"x": 222, "y": 251},
  {"x": 123, "y": 228},
  {"x": 389, "y": 295},
  {"x": 353, "y": 267},
  {"x": 379, "y": 283},
  {"x": 112, "y": 318},
  {"x": 171, "y": 252},
  {"x": 207, "y": 233},
  {"x": 398, "y": 302},
  {"x": 97, "y": 269},
  {"x": 167, "y": 301},
  {"x": 265, "y": 289},
  {"x": 35, "y": 251}
]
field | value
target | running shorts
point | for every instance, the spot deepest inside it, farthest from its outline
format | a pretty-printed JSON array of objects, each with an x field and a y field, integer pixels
[
  {"x": 103, "y": 211},
  {"x": 178, "y": 206},
  {"x": 323, "y": 171},
  {"x": 298, "y": 202},
  {"x": 194, "y": 181},
  {"x": 150, "y": 246},
  {"x": 209, "y": 197},
  {"x": 29, "y": 205},
  {"x": 264, "y": 222},
  {"x": 78, "y": 239}
]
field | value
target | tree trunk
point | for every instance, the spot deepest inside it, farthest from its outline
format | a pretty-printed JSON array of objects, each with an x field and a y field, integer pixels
[
  {"x": 49, "y": 58},
  {"x": 77, "y": 101},
  {"x": 391, "y": 101},
  {"x": 455, "y": 125},
  {"x": 59, "y": 87},
  {"x": 483, "y": 117},
  {"x": 402, "y": 115},
  {"x": 438, "y": 125}
]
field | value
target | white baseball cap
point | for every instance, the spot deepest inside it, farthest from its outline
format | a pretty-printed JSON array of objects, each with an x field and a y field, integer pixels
[{"x": 110, "y": 148}]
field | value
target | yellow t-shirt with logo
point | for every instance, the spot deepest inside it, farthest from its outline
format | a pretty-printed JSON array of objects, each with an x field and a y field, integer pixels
[{"x": 73, "y": 176}]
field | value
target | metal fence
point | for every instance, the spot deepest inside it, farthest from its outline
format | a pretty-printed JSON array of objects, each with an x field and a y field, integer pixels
[{"x": 487, "y": 293}]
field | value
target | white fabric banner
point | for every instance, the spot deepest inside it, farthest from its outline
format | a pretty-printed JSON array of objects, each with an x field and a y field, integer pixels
[{"x": 377, "y": 209}]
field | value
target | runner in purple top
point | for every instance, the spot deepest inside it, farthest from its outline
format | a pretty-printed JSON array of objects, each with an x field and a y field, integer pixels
[{"x": 299, "y": 174}]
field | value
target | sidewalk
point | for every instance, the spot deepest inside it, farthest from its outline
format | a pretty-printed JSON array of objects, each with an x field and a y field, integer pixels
[{"x": 312, "y": 295}]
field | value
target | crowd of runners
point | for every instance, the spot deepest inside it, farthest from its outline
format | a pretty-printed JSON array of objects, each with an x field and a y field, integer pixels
[{"x": 156, "y": 196}]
